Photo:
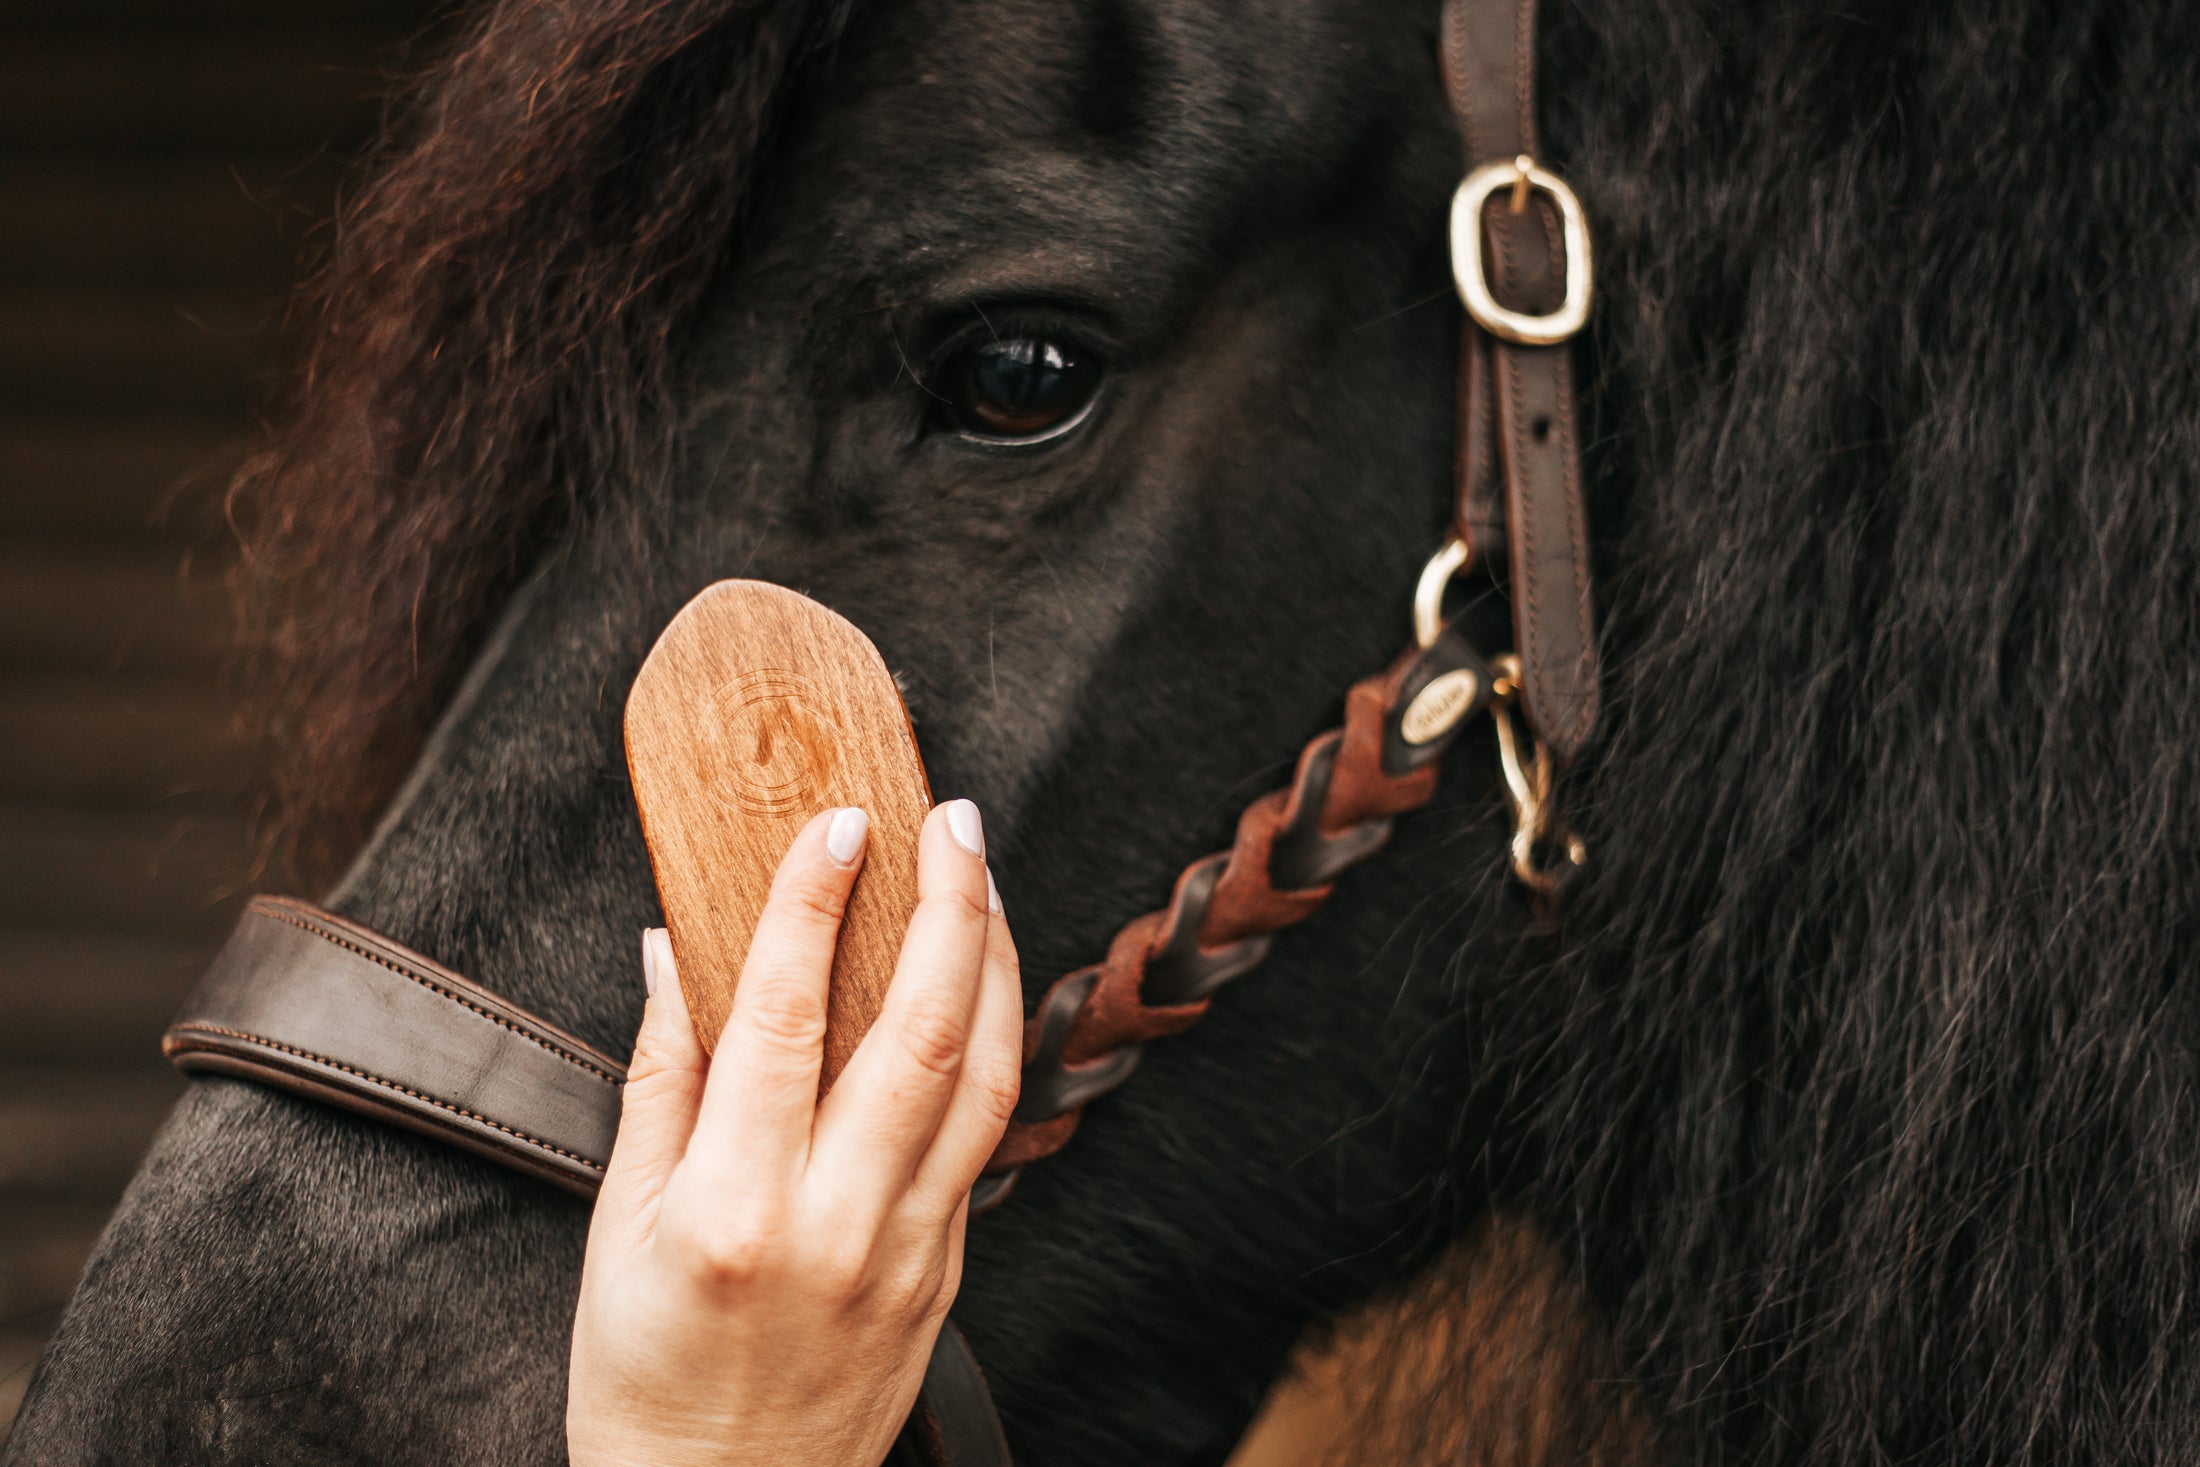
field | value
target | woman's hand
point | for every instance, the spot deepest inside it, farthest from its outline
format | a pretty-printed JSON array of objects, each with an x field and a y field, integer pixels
[{"x": 766, "y": 1273}]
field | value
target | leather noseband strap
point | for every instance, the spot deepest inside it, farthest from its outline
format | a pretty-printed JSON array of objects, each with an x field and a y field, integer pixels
[
  {"x": 303, "y": 1001},
  {"x": 307, "y": 1002}
]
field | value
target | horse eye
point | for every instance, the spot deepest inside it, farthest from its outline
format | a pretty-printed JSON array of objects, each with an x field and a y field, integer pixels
[{"x": 1019, "y": 388}]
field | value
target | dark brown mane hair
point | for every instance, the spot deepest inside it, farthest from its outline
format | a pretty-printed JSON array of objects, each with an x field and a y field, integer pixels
[{"x": 489, "y": 338}]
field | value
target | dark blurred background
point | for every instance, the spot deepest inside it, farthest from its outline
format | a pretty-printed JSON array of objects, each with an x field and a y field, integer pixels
[{"x": 165, "y": 168}]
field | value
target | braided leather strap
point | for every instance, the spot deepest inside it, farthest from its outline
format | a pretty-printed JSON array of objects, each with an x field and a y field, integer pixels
[{"x": 1164, "y": 968}]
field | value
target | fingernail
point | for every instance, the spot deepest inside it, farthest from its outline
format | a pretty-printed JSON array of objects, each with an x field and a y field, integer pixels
[
  {"x": 963, "y": 824},
  {"x": 992, "y": 894},
  {"x": 650, "y": 936},
  {"x": 844, "y": 837}
]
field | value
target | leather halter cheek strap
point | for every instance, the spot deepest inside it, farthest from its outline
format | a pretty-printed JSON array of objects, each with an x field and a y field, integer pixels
[
  {"x": 303, "y": 1001},
  {"x": 1520, "y": 492},
  {"x": 1519, "y": 442}
]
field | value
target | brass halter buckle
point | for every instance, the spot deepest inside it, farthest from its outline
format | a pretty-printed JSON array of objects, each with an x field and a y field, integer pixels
[{"x": 1470, "y": 270}]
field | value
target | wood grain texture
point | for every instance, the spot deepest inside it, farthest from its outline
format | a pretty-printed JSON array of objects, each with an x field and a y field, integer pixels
[{"x": 757, "y": 709}]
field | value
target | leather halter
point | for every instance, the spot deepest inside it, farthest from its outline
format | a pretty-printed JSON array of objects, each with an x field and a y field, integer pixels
[{"x": 304, "y": 1001}]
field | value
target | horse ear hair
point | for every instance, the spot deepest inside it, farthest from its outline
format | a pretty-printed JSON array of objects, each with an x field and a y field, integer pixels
[{"x": 486, "y": 343}]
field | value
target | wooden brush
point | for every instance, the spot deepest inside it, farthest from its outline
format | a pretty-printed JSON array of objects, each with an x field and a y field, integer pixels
[{"x": 757, "y": 709}]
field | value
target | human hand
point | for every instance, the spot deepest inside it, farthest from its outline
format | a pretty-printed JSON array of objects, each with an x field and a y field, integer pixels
[{"x": 766, "y": 1272}]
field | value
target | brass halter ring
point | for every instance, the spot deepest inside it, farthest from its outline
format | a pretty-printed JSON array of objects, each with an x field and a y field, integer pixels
[{"x": 1428, "y": 593}]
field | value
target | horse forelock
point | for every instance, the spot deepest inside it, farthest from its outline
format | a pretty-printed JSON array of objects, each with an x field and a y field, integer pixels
[{"x": 486, "y": 346}]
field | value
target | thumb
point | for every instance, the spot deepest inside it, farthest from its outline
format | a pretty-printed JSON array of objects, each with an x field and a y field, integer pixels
[{"x": 664, "y": 1088}]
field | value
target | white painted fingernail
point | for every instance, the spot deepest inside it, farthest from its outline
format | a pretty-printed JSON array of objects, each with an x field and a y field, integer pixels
[
  {"x": 963, "y": 824},
  {"x": 844, "y": 837},
  {"x": 650, "y": 938},
  {"x": 992, "y": 894}
]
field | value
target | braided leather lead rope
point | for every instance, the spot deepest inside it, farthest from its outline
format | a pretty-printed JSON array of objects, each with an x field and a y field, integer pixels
[{"x": 1163, "y": 968}]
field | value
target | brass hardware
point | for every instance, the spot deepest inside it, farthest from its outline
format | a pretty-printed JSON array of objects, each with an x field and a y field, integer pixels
[
  {"x": 1438, "y": 706},
  {"x": 1468, "y": 269},
  {"x": 1528, "y": 790},
  {"x": 1527, "y": 764},
  {"x": 1428, "y": 594}
]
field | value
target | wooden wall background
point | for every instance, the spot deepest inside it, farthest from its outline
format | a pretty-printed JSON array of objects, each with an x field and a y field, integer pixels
[{"x": 162, "y": 164}]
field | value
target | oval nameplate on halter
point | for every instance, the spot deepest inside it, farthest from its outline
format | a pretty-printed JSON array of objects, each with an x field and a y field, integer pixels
[
  {"x": 1437, "y": 708},
  {"x": 757, "y": 709},
  {"x": 1430, "y": 697}
]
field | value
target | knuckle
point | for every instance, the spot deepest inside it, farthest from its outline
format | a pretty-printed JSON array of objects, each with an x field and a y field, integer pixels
[
  {"x": 783, "y": 1012},
  {"x": 962, "y": 905},
  {"x": 946, "y": 1284},
  {"x": 731, "y": 1256},
  {"x": 650, "y": 1085},
  {"x": 914, "y": 1291},
  {"x": 995, "y": 1075},
  {"x": 813, "y": 901},
  {"x": 933, "y": 1033},
  {"x": 734, "y": 1264},
  {"x": 842, "y": 1272}
]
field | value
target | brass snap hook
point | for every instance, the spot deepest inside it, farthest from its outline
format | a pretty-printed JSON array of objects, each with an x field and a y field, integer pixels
[{"x": 1537, "y": 829}]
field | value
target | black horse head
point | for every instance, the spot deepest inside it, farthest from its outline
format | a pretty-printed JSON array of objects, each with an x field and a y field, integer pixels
[{"x": 1097, "y": 359}]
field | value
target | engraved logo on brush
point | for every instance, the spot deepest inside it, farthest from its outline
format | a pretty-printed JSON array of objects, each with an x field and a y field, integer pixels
[{"x": 776, "y": 748}]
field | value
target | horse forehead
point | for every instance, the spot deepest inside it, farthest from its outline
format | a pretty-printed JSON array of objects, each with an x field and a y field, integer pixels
[
  {"x": 1146, "y": 112},
  {"x": 1112, "y": 76}
]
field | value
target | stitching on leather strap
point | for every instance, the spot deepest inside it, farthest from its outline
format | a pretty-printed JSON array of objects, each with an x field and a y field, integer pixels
[
  {"x": 1523, "y": 528},
  {"x": 263, "y": 1042},
  {"x": 1524, "y": 72},
  {"x": 280, "y": 915},
  {"x": 1585, "y": 710}
]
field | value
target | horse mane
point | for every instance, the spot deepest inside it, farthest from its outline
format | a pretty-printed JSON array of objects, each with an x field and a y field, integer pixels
[
  {"x": 489, "y": 337},
  {"x": 1861, "y": 1072}
]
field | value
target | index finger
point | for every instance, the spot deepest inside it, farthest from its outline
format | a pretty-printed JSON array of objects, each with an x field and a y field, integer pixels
[
  {"x": 658, "y": 1104},
  {"x": 761, "y": 1097}
]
